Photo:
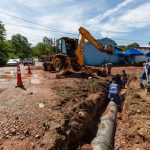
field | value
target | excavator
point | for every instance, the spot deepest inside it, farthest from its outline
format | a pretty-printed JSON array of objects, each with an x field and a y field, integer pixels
[{"x": 70, "y": 54}]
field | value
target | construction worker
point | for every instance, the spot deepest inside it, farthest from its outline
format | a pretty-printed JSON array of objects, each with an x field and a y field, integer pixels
[
  {"x": 114, "y": 92},
  {"x": 109, "y": 66},
  {"x": 148, "y": 59},
  {"x": 147, "y": 68},
  {"x": 145, "y": 75},
  {"x": 104, "y": 70},
  {"x": 124, "y": 78},
  {"x": 119, "y": 81}
]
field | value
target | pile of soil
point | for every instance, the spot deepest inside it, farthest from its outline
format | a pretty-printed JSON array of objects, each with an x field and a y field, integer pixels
[
  {"x": 86, "y": 98},
  {"x": 133, "y": 127}
]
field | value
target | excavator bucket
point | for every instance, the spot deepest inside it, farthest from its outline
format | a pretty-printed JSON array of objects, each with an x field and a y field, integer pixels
[{"x": 109, "y": 49}]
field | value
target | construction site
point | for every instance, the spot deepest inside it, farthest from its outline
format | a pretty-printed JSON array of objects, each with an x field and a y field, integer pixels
[
  {"x": 66, "y": 113},
  {"x": 81, "y": 82}
]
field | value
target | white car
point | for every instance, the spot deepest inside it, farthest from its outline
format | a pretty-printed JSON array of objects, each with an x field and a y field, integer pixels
[
  {"x": 18, "y": 60},
  {"x": 12, "y": 62}
]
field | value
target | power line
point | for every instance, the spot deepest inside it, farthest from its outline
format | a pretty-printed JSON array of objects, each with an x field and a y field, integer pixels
[
  {"x": 33, "y": 28},
  {"x": 37, "y": 23},
  {"x": 31, "y": 38}
]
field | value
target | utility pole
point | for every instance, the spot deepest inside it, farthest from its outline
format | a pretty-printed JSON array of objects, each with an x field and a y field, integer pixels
[{"x": 107, "y": 34}]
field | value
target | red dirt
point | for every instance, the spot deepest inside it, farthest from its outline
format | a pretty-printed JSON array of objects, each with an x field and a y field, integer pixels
[
  {"x": 133, "y": 126},
  {"x": 33, "y": 118}
]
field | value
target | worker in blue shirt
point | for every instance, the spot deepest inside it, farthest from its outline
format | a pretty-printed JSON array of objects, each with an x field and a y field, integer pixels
[
  {"x": 145, "y": 75},
  {"x": 148, "y": 59},
  {"x": 147, "y": 68},
  {"x": 114, "y": 92}
]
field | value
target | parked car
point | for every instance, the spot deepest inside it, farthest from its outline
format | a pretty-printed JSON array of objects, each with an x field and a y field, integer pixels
[
  {"x": 12, "y": 62},
  {"x": 19, "y": 60},
  {"x": 27, "y": 61}
]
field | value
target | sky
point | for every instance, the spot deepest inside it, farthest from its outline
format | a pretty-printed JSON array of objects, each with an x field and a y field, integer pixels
[{"x": 124, "y": 21}]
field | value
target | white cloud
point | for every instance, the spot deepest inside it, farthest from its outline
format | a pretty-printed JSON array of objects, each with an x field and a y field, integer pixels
[
  {"x": 69, "y": 15},
  {"x": 126, "y": 22},
  {"x": 109, "y": 12}
]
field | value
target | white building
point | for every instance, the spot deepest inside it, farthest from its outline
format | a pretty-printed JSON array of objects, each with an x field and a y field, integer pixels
[{"x": 144, "y": 49}]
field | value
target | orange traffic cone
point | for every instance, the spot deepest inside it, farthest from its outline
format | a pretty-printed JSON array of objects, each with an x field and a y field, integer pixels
[
  {"x": 19, "y": 79},
  {"x": 29, "y": 69}
]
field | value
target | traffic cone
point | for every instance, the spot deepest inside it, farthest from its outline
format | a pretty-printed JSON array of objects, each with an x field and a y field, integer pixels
[
  {"x": 29, "y": 69},
  {"x": 19, "y": 79}
]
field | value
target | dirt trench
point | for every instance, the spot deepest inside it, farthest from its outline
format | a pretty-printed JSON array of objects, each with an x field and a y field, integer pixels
[
  {"x": 66, "y": 121},
  {"x": 81, "y": 122}
]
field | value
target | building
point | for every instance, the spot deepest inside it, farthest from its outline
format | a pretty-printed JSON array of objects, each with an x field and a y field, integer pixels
[
  {"x": 144, "y": 49},
  {"x": 94, "y": 57}
]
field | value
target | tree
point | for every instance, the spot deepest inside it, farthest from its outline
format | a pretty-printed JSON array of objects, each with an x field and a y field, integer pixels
[
  {"x": 130, "y": 46},
  {"x": 133, "y": 45},
  {"x": 21, "y": 46},
  {"x": 122, "y": 47},
  {"x": 48, "y": 41},
  {"x": 3, "y": 52},
  {"x": 42, "y": 49},
  {"x": 2, "y": 32}
]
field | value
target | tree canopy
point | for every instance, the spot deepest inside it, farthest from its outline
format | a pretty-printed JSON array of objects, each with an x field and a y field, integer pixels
[
  {"x": 18, "y": 46},
  {"x": 3, "y": 52},
  {"x": 130, "y": 46},
  {"x": 21, "y": 46}
]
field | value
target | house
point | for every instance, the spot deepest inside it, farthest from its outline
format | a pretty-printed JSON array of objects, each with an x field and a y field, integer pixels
[
  {"x": 144, "y": 49},
  {"x": 94, "y": 57}
]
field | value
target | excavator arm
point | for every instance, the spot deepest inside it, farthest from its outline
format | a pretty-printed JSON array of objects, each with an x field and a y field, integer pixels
[{"x": 85, "y": 35}]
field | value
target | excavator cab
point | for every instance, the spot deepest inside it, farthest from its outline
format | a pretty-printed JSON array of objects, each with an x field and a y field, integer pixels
[{"x": 67, "y": 46}]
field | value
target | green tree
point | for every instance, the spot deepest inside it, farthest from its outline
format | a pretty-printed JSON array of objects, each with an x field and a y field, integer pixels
[
  {"x": 42, "y": 49},
  {"x": 21, "y": 46},
  {"x": 2, "y": 32},
  {"x": 133, "y": 45},
  {"x": 3, "y": 52},
  {"x": 122, "y": 47},
  {"x": 130, "y": 46}
]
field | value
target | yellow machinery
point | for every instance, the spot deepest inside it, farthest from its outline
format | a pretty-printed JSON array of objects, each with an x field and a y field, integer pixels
[{"x": 70, "y": 54}]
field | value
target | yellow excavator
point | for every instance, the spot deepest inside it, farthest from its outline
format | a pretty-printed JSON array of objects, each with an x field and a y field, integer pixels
[{"x": 70, "y": 54}]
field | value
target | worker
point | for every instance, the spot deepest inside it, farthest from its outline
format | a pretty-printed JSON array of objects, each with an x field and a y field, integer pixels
[
  {"x": 148, "y": 59},
  {"x": 119, "y": 81},
  {"x": 143, "y": 79},
  {"x": 147, "y": 68},
  {"x": 124, "y": 78},
  {"x": 114, "y": 92},
  {"x": 70, "y": 51},
  {"x": 109, "y": 66},
  {"x": 104, "y": 70}
]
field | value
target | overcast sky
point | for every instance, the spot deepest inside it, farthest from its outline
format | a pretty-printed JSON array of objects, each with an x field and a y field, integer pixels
[{"x": 125, "y": 21}]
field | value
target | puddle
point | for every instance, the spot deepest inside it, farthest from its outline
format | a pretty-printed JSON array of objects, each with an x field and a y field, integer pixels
[{"x": 8, "y": 75}]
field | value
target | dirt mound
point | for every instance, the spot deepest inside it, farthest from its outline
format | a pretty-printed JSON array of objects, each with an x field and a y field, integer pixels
[
  {"x": 79, "y": 92},
  {"x": 85, "y": 98},
  {"x": 133, "y": 130}
]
